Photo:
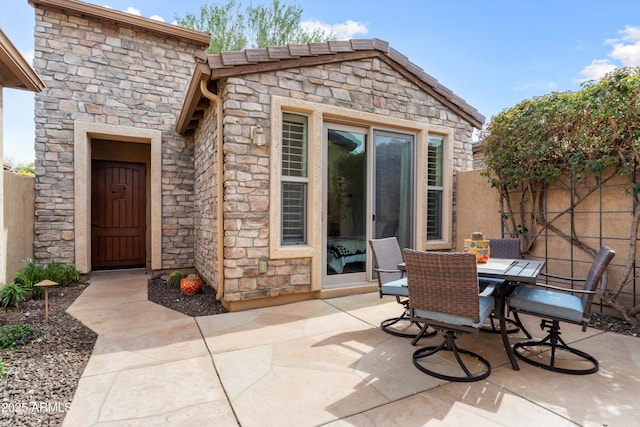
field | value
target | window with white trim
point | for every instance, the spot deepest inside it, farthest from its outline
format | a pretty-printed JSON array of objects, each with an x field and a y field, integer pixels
[
  {"x": 435, "y": 188},
  {"x": 294, "y": 179}
]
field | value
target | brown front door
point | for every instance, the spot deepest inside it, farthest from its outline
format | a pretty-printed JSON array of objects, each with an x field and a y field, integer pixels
[{"x": 118, "y": 214}]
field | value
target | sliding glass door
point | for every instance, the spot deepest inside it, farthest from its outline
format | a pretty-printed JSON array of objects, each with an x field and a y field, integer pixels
[
  {"x": 393, "y": 186},
  {"x": 368, "y": 194},
  {"x": 346, "y": 203}
]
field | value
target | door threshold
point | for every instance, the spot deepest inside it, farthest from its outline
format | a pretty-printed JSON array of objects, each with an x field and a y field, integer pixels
[{"x": 342, "y": 290}]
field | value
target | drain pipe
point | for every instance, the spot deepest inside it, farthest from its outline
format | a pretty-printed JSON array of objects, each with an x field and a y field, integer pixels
[{"x": 220, "y": 185}]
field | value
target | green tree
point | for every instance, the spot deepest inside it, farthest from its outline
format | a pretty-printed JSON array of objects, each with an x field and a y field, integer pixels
[
  {"x": 22, "y": 168},
  {"x": 566, "y": 137},
  {"x": 259, "y": 26}
]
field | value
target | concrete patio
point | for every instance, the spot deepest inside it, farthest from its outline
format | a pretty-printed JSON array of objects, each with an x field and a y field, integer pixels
[{"x": 319, "y": 362}]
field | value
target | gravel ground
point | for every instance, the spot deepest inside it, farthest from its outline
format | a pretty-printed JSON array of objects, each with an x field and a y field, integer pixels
[
  {"x": 41, "y": 377},
  {"x": 203, "y": 303}
]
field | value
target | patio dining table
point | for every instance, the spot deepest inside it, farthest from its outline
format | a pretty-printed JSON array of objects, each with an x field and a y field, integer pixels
[{"x": 512, "y": 272}]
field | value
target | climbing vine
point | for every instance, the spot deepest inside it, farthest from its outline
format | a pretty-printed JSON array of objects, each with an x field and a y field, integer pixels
[{"x": 567, "y": 138}]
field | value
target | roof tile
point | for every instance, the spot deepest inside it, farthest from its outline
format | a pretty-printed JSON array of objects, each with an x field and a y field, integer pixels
[
  {"x": 298, "y": 50},
  {"x": 258, "y": 55},
  {"x": 234, "y": 58},
  {"x": 363, "y": 44},
  {"x": 340, "y": 46},
  {"x": 280, "y": 52},
  {"x": 276, "y": 54},
  {"x": 398, "y": 57},
  {"x": 380, "y": 45},
  {"x": 319, "y": 48}
]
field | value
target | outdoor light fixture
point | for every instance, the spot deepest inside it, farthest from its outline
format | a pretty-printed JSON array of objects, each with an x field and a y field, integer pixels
[{"x": 258, "y": 135}]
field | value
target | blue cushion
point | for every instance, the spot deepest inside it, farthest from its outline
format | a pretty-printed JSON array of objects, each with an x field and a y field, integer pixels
[
  {"x": 486, "y": 307},
  {"x": 395, "y": 288},
  {"x": 544, "y": 302}
]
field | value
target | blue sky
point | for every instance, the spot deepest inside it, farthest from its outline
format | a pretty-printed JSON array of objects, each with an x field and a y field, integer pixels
[{"x": 492, "y": 53}]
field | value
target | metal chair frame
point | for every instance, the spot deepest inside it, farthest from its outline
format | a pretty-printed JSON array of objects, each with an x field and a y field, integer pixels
[
  {"x": 551, "y": 322},
  {"x": 443, "y": 293},
  {"x": 386, "y": 257}
]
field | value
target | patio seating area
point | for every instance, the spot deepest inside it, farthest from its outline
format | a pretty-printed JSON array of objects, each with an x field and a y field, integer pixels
[{"x": 320, "y": 362}]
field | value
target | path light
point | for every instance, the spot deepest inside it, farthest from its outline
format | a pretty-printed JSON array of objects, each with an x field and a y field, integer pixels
[{"x": 45, "y": 284}]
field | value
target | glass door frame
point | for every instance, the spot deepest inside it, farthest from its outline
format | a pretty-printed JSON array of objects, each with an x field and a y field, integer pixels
[
  {"x": 345, "y": 279},
  {"x": 354, "y": 279}
]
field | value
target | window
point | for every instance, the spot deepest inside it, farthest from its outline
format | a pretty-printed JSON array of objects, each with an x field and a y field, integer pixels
[
  {"x": 435, "y": 188},
  {"x": 295, "y": 178}
]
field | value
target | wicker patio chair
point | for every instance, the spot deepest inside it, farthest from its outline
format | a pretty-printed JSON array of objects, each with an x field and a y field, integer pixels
[
  {"x": 443, "y": 293},
  {"x": 503, "y": 248},
  {"x": 391, "y": 281},
  {"x": 555, "y": 304}
]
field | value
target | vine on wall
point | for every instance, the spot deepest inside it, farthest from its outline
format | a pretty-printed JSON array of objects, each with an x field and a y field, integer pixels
[{"x": 563, "y": 138}]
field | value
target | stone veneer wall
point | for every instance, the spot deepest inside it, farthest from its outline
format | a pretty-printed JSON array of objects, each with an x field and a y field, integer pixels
[
  {"x": 99, "y": 72},
  {"x": 206, "y": 181},
  {"x": 370, "y": 86}
]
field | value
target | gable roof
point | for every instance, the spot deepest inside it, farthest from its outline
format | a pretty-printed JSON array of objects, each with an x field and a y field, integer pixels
[
  {"x": 250, "y": 61},
  {"x": 15, "y": 71}
]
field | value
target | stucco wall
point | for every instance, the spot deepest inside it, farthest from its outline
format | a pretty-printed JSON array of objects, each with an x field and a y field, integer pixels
[
  {"x": 18, "y": 193},
  {"x": 604, "y": 217},
  {"x": 99, "y": 72},
  {"x": 478, "y": 207},
  {"x": 362, "y": 86}
]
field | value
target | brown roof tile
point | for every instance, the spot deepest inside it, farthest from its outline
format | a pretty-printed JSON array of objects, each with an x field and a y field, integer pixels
[
  {"x": 319, "y": 48},
  {"x": 258, "y": 55},
  {"x": 299, "y": 50},
  {"x": 398, "y": 57},
  {"x": 340, "y": 46},
  {"x": 228, "y": 64},
  {"x": 280, "y": 52},
  {"x": 234, "y": 58}
]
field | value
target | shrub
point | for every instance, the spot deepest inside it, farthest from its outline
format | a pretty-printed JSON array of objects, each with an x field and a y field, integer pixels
[
  {"x": 12, "y": 336},
  {"x": 1, "y": 369},
  {"x": 32, "y": 273},
  {"x": 12, "y": 294}
]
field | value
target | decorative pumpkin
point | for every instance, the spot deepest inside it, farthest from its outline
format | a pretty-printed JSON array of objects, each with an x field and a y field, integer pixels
[{"x": 191, "y": 284}]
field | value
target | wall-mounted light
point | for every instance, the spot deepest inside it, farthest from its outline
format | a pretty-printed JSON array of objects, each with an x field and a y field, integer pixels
[{"x": 258, "y": 135}]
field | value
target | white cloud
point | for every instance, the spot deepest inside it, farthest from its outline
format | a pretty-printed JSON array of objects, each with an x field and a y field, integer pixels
[
  {"x": 627, "y": 48},
  {"x": 596, "y": 70},
  {"x": 133, "y": 11},
  {"x": 343, "y": 31},
  {"x": 625, "y": 51}
]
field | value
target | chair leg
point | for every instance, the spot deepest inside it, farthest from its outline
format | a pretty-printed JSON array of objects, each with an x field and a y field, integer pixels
[
  {"x": 518, "y": 322},
  {"x": 386, "y": 324},
  {"x": 449, "y": 345},
  {"x": 555, "y": 343},
  {"x": 495, "y": 329}
]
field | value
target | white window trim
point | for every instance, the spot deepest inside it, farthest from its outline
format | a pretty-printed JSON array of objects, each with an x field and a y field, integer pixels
[{"x": 447, "y": 192}]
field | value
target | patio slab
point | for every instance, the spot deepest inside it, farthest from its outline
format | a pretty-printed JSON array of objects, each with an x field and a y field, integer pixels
[{"x": 319, "y": 362}]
